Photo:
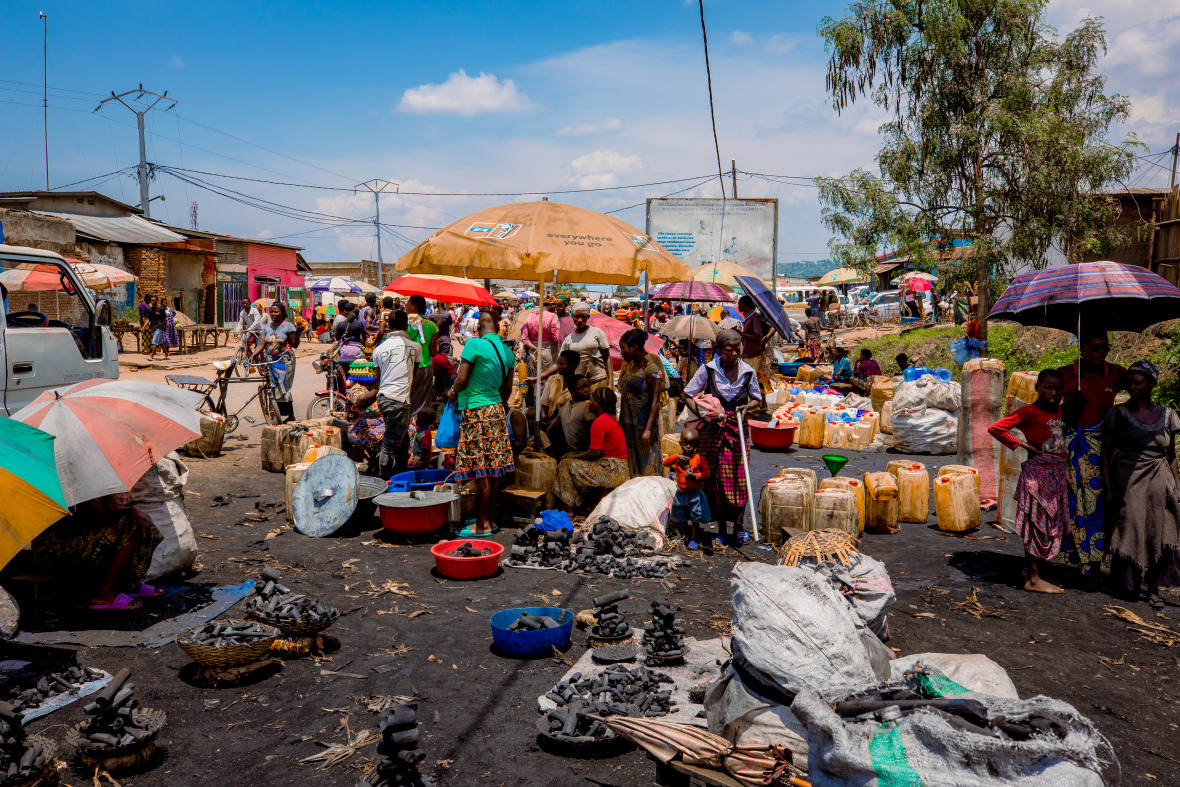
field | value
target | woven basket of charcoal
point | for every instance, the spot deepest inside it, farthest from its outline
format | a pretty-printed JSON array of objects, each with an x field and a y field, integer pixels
[
  {"x": 90, "y": 739},
  {"x": 293, "y": 614},
  {"x": 34, "y": 767},
  {"x": 229, "y": 643}
]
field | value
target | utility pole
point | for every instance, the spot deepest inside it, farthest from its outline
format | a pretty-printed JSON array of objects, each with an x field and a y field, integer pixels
[
  {"x": 378, "y": 187},
  {"x": 144, "y": 200},
  {"x": 1175, "y": 152},
  {"x": 45, "y": 91},
  {"x": 733, "y": 176},
  {"x": 192, "y": 214}
]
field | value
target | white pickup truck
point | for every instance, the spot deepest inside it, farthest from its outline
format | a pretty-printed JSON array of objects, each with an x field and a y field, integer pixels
[{"x": 38, "y": 352}]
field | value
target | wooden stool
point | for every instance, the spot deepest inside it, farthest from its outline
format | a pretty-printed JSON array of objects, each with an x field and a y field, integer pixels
[
  {"x": 532, "y": 500},
  {"x": 32, "y": 590}
]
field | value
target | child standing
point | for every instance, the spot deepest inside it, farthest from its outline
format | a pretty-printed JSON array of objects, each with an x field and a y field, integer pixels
[
  {"x": 690, "y": 503},
  {"x": 422, "y": 438},
  {"x": 1042, "y": 501}
]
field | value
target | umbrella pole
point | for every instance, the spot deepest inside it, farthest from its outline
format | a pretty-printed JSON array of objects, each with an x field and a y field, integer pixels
[
  {"x": 540, "y": 347},
  {"x": 1078, "y": 370},
  {"x": 646, "y": 298},
  {"x": 746, "y": 467}
]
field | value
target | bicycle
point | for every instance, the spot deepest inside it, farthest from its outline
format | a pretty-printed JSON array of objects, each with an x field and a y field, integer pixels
[
  {"x": 330, "y": 401},
  {"x": 246, "y": 349},
  {"x": 265, "y": 393}
]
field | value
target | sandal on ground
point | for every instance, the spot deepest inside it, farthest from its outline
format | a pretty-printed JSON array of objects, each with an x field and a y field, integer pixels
[
  {"x": 147, "y": 591},
  {"x": 719, "y": 542},
  {"x": 742, "y": 537},
  {"x": 121, "y": 603},
  {"x": 467, "y": 532},
  {"x": 693, "y": 546}
]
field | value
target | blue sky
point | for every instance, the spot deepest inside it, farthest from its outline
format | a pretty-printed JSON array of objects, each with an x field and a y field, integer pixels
[{"x": 469, "y": 97}]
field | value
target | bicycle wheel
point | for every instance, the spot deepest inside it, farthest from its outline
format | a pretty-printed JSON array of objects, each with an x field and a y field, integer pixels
[
  {"x": 241, "y": 357},
  {"x": 320, "y": 407},
  {"x": 269, "y": 405}
]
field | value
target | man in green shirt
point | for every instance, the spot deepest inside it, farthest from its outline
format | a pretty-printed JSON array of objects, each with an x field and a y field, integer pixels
[{"x": 425, "y": 332}]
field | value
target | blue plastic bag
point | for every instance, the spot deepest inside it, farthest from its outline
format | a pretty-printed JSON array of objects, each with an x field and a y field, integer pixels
[
  {"x": 555, "y": 520},
  {"x": 447, "y": 435}
]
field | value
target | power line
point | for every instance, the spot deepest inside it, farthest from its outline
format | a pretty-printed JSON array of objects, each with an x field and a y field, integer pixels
[
  {"x": 712, "y": 114},
  {"x": 96, "y": 177}
]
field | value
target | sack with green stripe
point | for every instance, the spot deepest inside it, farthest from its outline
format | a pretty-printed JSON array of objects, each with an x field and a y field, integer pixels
[{"x": 926, "y": 749}]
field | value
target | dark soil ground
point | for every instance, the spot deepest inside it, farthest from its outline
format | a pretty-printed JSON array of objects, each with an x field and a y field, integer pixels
[{"x": 478, "y": 709}]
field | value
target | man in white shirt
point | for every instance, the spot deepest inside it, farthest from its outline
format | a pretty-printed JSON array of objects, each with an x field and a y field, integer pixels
[{"x": 396, "y": 359}]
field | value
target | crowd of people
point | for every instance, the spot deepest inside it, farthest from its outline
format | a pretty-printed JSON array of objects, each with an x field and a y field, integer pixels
[{"x": 1100, "y": 478}]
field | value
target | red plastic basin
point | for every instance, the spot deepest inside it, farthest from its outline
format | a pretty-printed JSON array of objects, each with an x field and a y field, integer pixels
[
  {"x": 466, "y": 567},
  {"x": 411, "y": 521},
  {"x": 772, "y": 439}
]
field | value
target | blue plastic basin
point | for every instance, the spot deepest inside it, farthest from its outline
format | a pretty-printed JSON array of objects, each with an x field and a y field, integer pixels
[
  {"x": 415, "y": 480},
  {"x": 790, "y": 369},
  {"x": 531, "y": 643}
]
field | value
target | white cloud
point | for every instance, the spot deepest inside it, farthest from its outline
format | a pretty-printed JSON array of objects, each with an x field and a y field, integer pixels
[
  {"x": 780, "y": 44},
  {"x": 602, "y": 168},
  {"x": 590, "y": 127},
  {"x": 177, "y": 61},
  {"x": 741, "y": 39},
  {"x": 465, "y": 95}
]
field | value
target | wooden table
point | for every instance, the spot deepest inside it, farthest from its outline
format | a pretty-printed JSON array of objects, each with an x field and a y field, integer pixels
[
  {"x": 197, "y": 337},
  {"x": 140, "y": 337}
]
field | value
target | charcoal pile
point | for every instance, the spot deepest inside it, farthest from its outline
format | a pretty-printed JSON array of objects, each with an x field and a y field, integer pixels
[
  {"x": 398, "y": 750},
  {"x": 609, "y": 622},
  {"x": 528, "y": 622},
  {"x": 113, "y": 719},
  {"x": 540, "y": 548},
  {"x": 467, "y": 550},
  {"x": 276, "y": 603},
  {"x": 36, "y": 683},
  {"x": 616, "y": 691},
  {"x": 20, "y": 755},
  {"x": 612, "y": 550},
  {"x": 228, "y": 634},
  {"x": 664, "y": 636}
]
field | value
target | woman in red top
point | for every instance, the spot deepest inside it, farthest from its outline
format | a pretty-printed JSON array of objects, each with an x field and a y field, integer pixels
[
  {"x": 604, "y": 465},
  {"x": 1042, "y": 500}
]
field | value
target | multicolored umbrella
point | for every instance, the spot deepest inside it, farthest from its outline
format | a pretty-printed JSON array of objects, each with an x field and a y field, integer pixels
[
  {"x": 110, "y": 432},
  {"x": 1114, "y": 296},
  {"x": 326, "y": 310},
  {"x": 335, "y": 284},
  {"x": 29, "y": 485},
  {"x": 701, "y": 291},
  {"x": 722, "y": 273},
  {"x": 767, "y": 304},
  {"x": 265, "y": 303},
  {"x": 448, "y": 289},
  {"x": 42, "y": 277}
]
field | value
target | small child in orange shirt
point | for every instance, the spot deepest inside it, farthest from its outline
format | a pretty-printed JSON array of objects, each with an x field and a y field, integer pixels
[{"x": 690, "y": 503}]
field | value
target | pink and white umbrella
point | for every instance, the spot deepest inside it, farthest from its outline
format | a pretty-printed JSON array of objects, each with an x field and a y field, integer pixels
[
  {"x": 37, "y": 276},
  {"x": 110, "y": 432}
]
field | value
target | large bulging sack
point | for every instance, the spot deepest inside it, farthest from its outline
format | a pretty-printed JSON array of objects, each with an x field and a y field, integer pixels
[
  {"x": 865, "y": 585},
  {"x": 983, "y": 405},
  {"x": 641, "y": 502},
  {"x": 925, "y": 430},
  {"x": 928, "y": 390},
  {"x": 923, "y": 748},
  {"x": 794, "y": 629},
  {"x": 973, "y": 671}
]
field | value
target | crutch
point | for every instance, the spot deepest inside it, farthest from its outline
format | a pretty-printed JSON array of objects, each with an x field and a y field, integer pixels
[{"x": 746, "y": 467}]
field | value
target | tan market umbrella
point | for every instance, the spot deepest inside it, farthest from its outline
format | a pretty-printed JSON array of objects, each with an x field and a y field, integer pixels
[
  {"x": 546, "y": 242},
  {"x": 842, "y": 276},
  {"x": 724, "y": 273},
  {"x": 542, "y": 242}
]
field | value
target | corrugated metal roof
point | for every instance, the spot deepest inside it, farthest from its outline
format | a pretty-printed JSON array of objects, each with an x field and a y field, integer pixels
[{"x": 118, "y": 229}]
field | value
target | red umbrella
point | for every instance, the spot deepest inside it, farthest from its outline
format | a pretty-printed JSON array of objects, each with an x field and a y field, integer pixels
[
  {"x": 449, "y": 289},
  {"x": 614, "y": 330}
]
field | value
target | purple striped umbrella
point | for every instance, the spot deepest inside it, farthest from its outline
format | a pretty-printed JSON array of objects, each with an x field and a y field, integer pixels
[
  {"x": 705, "y": 291},
  {"x": 1105, "y": 295}
]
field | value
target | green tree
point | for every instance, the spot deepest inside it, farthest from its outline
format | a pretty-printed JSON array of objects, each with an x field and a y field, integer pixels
[{"x": 998, "y": 135}]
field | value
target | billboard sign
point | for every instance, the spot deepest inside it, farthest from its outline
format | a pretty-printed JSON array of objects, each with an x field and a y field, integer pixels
[{"x": 704, "y": 231}]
